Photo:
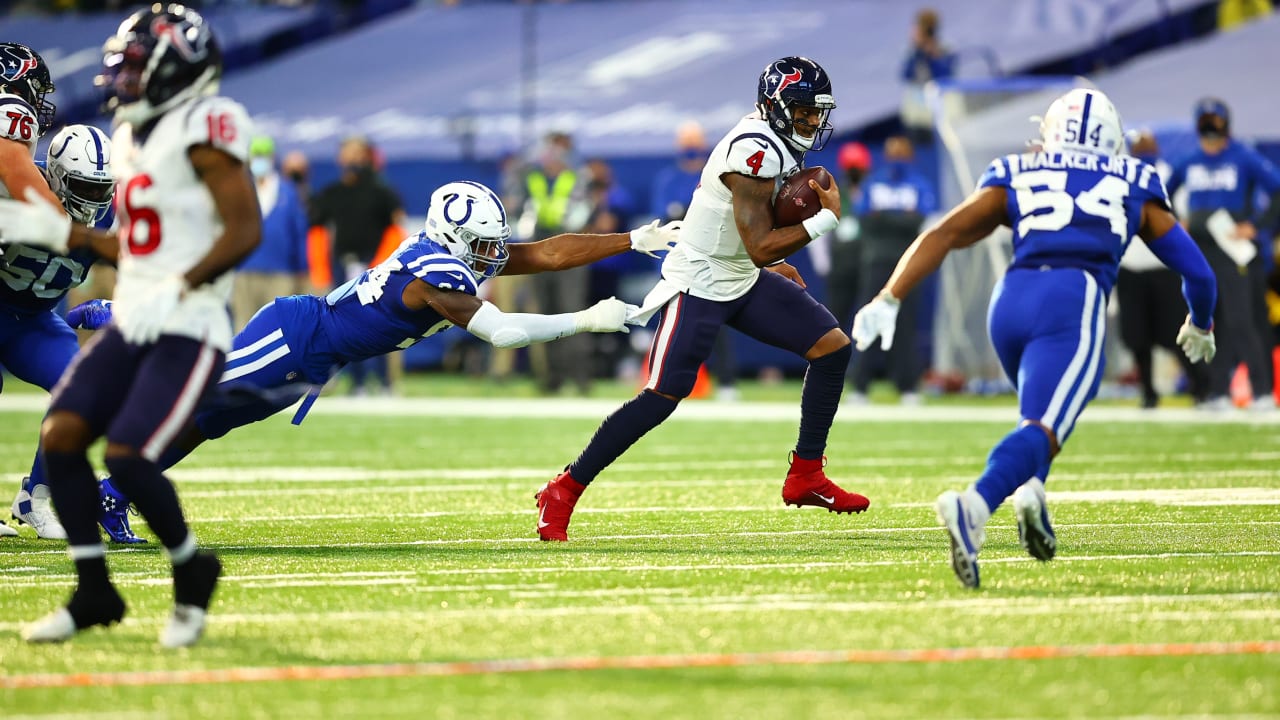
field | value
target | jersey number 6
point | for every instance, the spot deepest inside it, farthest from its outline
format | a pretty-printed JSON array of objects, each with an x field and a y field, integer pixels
[{"x": 140, "y": 215}]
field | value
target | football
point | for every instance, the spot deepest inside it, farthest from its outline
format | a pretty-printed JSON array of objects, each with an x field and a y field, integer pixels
[{"x": 796, "y": 201}]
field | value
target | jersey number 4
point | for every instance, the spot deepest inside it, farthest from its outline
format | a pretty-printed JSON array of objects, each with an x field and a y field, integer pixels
[
  {"x": 142, "y": 223},
  {"x": 1039, "y": 191}
]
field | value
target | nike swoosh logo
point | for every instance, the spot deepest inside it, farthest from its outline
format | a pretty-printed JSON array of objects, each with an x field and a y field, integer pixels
[
  {"x": 455, "y": 275},
  {"x": 541, "y": 522},
  {"x": 761, "y": 143},
  {"x": 824, "y": 498}
]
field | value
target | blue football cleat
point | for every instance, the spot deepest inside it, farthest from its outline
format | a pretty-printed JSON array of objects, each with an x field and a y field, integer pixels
[
  {"x": 115, "y": 514},
  {"x": 966, "y": 536},
  {"x": 1034, "y": 530}
]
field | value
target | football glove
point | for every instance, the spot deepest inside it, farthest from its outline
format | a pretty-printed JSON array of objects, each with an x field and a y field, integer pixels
[
  {"x": 36, "y": 222},
  {"x": 651, "y": 239},
  {"x": 876, "y": 319},
  {"x": 1196, "y": 343},
  {"x": 90, "y": 315},
  {"x": 147, "y": 318},
  {"x": 605, "y": 316}
]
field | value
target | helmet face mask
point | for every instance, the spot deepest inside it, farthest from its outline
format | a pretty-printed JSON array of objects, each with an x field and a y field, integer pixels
[
  {"x": 160, "y": 56},
  {"x": 79, "y": 163},
  {"x": 24, "y": 73},
  {"x": 1082, "y": 121},
  {"x": 468, "y": 219},
  {"x": 786, "y": 86}
]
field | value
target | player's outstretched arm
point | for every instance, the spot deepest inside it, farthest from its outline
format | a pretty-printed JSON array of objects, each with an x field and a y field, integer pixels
[
  {"x": 18, "y": 172},
  {"x": 237, "y": 203},
  {"x": 1174, "y": 247},
  {"x": 570, "y": 250},
  {"x": 40, "y": 223},
  {"x": 753, "y": 214},
  {"x": 510, "y": 330}
]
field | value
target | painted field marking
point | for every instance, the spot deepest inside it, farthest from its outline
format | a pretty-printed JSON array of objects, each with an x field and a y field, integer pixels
[{"x": 632, "y": 662}]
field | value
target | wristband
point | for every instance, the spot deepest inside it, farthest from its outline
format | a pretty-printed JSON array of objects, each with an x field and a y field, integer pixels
[{"x": 820, "y": 224}]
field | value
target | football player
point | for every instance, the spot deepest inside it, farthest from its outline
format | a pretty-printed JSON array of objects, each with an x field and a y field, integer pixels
[
  {"x": 294, "y": 345},
  {"x": 188, "y": 213},
  {"x": 730, "y": 269},
  {"x": 1073, "y": 206},
  {"x": 36, "y": 345}
]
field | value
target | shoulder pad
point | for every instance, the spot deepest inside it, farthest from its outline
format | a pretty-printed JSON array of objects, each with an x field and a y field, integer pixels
[
  {"x": 1149, "y": 183},
  {"x": 439, "y": 269},
  {"x": 220, "y": 122},
  {"x": 18, "y": 120},
  {"x": 755, "y": 155},
  {"x": 998, "y": 173}
]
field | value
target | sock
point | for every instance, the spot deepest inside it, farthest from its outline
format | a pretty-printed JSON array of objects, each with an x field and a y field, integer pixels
[
  {"x": 95, "y": 601},
  {"x": 620, "y": 431},
  {"x": 153, "y": 495},
  {"x": 75, "y": 496},
  {"x": 37, "y": 476},
  {"x": 1021, "y": 455},
  {"x": 823, "y": 383}
]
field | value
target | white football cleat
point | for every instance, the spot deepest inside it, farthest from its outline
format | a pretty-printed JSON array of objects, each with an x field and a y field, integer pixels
[
  {"x": 966, "y": 535},
  {"x": 1034, "y": 530},
  {"x": 185, "y": 627},
  {"x": 6, "y": 531},
  {"x": 36, "y": 510},
  {"x": 57, "y": 626}
]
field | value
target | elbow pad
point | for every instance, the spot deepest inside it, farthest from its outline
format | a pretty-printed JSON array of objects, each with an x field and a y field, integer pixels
[
  {"x": 515, "y": 330},
  {"x": 1179, "y": 252}
]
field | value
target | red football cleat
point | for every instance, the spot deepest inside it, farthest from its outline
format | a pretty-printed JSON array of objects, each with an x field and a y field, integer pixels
[
  {"x": 807, "y": 485},
  {"x": 555, "y": 506}
]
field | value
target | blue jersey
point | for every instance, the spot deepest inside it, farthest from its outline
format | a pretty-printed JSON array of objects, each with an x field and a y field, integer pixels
[
  {"x": 366, "y": 317},
  {"x": 1226, "y": 180},
  {"x": 33, "y": 280},
  {"x": 1074, "y": 210}
]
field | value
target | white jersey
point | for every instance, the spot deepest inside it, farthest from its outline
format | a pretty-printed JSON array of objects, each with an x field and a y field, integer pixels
[
  {"x": 18, "y": 123},
  {"x": 710, "y": 262},
  {"x": 166, "y": 215}
]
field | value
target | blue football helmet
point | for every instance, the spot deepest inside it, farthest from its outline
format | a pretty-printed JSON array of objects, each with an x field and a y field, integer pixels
[
  {"x": 160, "y": 57},
  {"x": 24, "y": 73},
  {"x": 795, "y": 81}
]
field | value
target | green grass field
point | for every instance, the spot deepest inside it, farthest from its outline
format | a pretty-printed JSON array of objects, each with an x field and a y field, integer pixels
[{"x": 393, "y": 546}]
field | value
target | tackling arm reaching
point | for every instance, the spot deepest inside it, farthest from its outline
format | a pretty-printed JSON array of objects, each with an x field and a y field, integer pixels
[{"x": 571, "y": 250}]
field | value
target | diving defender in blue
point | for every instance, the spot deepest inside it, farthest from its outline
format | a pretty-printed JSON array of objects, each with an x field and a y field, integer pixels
[
  {"x": 1074, "y": 206},
  {"x": 293, "y": 345},
  {"x": 36, "y": 344}
]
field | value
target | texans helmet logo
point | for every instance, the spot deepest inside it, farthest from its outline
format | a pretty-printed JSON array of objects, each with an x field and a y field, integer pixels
[
  {"x": 15, "y": 64},
  {"x": 180, "y": 36},
  {"x": 787, "y": 80}
]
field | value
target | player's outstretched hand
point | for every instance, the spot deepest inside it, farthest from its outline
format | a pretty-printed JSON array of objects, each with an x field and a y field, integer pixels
[
  {"x": 876, "y": 319},
  {"x": 651, "y": 239},
  {"x": 36, "y": 222},
  {"x": 147, "y": 318},
  {"x": 1196, "y": 343},
  {"x": 90, "y": 315},
  {"x": 605, "y": 316}
]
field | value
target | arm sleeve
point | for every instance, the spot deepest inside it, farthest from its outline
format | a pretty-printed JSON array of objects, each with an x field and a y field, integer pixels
[
  {"x": 513, "y": 330},
  {"x": 1178, "y": 251}
]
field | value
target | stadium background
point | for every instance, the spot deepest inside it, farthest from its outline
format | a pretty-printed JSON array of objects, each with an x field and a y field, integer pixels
[{"x": 447, "y": 90}]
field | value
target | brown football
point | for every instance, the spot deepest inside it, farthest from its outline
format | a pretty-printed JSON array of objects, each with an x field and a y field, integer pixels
[{"x": 796, "y": 201}]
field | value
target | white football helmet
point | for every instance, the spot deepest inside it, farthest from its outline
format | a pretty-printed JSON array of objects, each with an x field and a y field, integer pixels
[
  {"x": 469, "y": 220},
  {"x": 1082, "y": 121},
  {"x": 78, "y": 161}
]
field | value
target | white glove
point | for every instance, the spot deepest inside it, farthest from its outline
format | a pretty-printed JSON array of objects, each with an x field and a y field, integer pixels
[
  {"x": 876, "y": 319},
  {"x": 1196, "y": 343},
  {"x": 36, "y": 222},
  {"x": 146, "y": 319},
  {"x": 650, "y": 239},
  {"x": 605, "y": 316}
]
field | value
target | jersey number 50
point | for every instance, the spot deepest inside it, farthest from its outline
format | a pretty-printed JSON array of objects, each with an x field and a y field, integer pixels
[
  {"x": 146, "y": 241},
  {"x": 1041, "y": 190}
]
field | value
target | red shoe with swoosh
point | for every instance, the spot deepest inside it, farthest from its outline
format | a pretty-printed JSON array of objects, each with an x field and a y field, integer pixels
[
  {"x": 555, "y": 506},
  {"x": 807, "y": 485}
]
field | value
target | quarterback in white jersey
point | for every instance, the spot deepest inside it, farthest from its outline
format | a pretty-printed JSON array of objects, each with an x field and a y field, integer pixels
[
  {"x": 188, "y": 214},
  {"x": 713, "y": 278}
]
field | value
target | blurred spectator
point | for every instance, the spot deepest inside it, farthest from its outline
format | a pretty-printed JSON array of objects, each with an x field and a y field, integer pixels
[
  {"x": 854, "y": 161},
  {"x": 669, "y": 198},
  {"x": 1224, "y": 176},
  {"x": 927, "y": 60},
  {"x": 610, "y": 212},
  {"x": 555, "y": 202},
  {"x": 352, "y": 219},
  {"x": 297, "y": 169},
  {"x": 1150, "y": 299},
  {"x": 511, "y": 292},
  {"x": 1232, "y": 13},
  {"x": 896, "y": 198},
  {"x": 278, "y": 266}
]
